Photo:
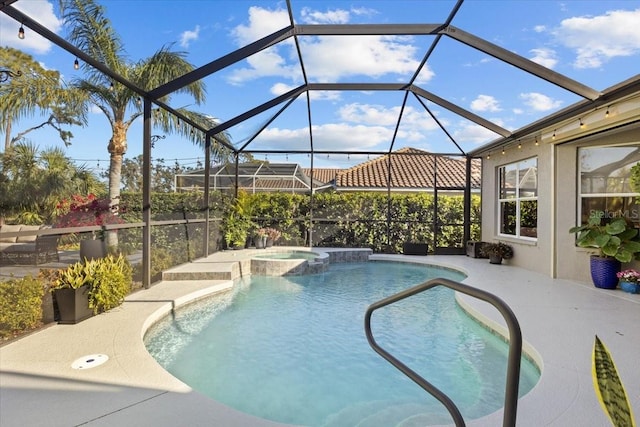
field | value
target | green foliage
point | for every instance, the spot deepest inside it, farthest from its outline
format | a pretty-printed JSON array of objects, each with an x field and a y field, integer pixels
[
  {"x": 109, "y": 280},
  {"x": 20, "y": 305},
  {"x": 634, "y": 179},
  {"x": 609, "y": 389},
  {"x": 33, "y": 181},
  {"x": 616, "y": 239},
  {"x": 499, "y": 249}
]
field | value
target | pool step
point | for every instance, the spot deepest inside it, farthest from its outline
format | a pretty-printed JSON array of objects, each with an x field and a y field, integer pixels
[{"x": 209, "y": 270}]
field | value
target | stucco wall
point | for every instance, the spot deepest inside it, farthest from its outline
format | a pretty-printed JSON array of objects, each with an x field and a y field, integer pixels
[
  {"x": 533, "y": 255},
  {"x": 573, "y": 262}
]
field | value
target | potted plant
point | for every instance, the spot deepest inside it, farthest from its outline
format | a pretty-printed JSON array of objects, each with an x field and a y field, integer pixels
[
  {"x": 497, "y": 252},
  {"x": 273, "y": 235},
  {"x": 617, "y": 241},
  {"x": 629, "y": 281},
  {"x": 91, "y": 287},
  {"x": 260, "y": 238},
  {"x": 83, "y": 211}
]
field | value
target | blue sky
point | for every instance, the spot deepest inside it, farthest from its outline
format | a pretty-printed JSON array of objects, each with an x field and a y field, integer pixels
[{"x": 596, "y": 43}]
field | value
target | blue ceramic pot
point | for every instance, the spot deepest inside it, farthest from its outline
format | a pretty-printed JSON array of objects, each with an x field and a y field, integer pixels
[
  {"x": 631, "y": 287},
  {"x": 603, "y": 272}
]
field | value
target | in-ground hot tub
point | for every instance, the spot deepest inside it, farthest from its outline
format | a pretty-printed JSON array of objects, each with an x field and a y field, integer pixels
[{"x": 289, "y": 263}]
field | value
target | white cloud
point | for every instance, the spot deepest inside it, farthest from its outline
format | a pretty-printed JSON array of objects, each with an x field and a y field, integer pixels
[
  {"x": 539, "y": 28},
  {"x": 597, "y": 39},
  {"x": 539, "y": 102},
  {"x": 545, "y": 57},
  {"x": 413, "y": 121},
  {"x": 470, "y": 132},
  {"x": 320, "y": 95},
  {"x": 187, "y": 36},
  {"x": 332, "y": 58},
  {"x": 262, "y": 22},
  {"x": 338, "y": 16},
  {"x": 39, "y": 10},
  {"x": 326, "y": 59},
  {"x": 485, "y": 103},
  {"x": 332, "y": 136}
]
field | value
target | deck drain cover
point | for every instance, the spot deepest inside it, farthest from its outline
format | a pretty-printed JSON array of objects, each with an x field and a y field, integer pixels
[{"x": 90, "y": 361}]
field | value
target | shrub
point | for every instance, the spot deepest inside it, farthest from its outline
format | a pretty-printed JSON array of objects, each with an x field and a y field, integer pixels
[
  {"x": 20, "y": 305},
  {"x": 109, "y": 280}
]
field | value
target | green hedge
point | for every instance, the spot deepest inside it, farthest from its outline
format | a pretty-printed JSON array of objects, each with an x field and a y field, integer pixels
[{"x": 20, "y": 305}]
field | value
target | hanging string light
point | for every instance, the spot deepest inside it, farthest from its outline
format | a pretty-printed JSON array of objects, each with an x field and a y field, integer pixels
[
  {"x": 76, "y": 64},
  {"x": 606, "y": 113},
  {"x": 554, "y": 135},
  {"x": 21, "y": 32}
]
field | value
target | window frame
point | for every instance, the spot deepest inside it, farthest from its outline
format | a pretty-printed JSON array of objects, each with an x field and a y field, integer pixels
[
  {"x": 518, "y": 199},
  {"x": 580, "y": 195}
]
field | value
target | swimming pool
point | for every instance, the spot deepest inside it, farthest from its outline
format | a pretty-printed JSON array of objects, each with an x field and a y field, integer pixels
[{"x": 293, "y": 350}]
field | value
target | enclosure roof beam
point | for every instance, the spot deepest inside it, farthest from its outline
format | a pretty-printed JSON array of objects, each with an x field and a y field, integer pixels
[
  {"x": 521, "y": 63},
  {"x": 460, "y": 111},
  {"x": 257, "y": 110},
  {"x": 222, "y": 62},
  {"x": 366, "y": 29}
]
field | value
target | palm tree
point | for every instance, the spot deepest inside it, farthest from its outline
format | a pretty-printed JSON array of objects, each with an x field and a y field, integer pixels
[
  {"x": 37, "y": 89},
  {"x": 33, "y": 181},
  {"x": 91, "y": 31}
]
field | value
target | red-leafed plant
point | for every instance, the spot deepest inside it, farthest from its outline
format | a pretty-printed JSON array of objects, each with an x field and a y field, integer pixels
[{"x": 82, "y": 211}]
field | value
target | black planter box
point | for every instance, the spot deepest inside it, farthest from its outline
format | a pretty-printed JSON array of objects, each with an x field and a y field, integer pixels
[
  {"x": 413, "y": 248},
  {"x": 73, "y": 305},
  {"x": 474, "y": 249}
]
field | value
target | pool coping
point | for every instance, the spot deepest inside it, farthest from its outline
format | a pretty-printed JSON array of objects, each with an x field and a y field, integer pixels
[{"x": 39, "y": 387}]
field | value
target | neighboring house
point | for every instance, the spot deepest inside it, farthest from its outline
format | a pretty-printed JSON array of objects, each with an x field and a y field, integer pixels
[
  {"x": 412, "y": 170},
  {"x": 537, "y": 187},
  {"x": 253, "y": 177}
]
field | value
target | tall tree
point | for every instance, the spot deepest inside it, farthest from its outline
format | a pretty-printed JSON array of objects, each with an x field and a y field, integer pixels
[
  {"x": 33, "y": 181},
  {"x": 92, "y": 32},
  {"x": 37, "y": 90}
]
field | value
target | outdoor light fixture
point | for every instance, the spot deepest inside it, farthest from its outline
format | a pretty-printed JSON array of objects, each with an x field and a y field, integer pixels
[
  {"x": 519, "y": 145},
  {"x": 606, "y": 114},
  {"x": 488, "y": 156},
  {"x": 76, "y": 64},
  {"x": 503, "y": 151},
  {"x": 581, "y": 123},
  {"x": 537, "y": 143},
  {"x": 7, "y": 74},
  {"x": 154, "y": 138},
  {"x": 111, "y": 87},
  {"x": 554, "y": 134},
  {"x": 139, "y": 102},
  {"x": 21, "y": 32}
]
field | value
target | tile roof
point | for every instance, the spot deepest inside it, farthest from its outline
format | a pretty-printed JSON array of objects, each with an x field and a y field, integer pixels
[
  {"x": 324, "y": 175},
  {"x": 410, "y": 169}
]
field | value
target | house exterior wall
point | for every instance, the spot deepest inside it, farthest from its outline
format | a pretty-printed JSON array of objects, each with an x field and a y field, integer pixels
[
  {"x": 554, "y": 253},
  {"x": 533, "y": 255},
  {"x": 571, "y": 261}
]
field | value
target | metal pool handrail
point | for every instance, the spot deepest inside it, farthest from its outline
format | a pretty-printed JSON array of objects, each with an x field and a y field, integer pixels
[{"x": 513, "y": 361}]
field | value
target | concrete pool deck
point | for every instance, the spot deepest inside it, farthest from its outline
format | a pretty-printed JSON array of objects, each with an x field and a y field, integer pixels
[{"x": 558, "y": 318}]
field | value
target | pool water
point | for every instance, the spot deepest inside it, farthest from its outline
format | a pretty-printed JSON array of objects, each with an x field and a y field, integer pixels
[{"x": 293, "y": 349}]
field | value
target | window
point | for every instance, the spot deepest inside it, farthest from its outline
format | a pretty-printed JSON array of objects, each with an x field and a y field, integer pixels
[
  {"x": 604, "y": 181},
  {"x": 518, "y": 199}
]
